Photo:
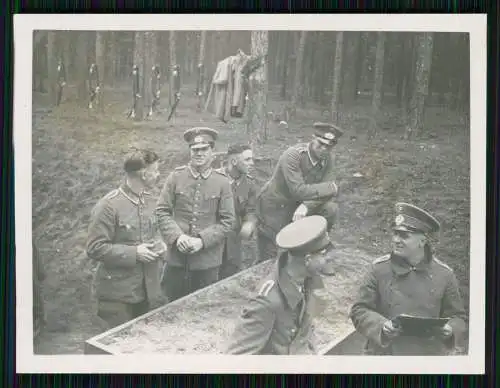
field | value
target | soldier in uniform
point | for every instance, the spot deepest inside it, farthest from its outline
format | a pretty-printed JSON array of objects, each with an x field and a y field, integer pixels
[
  {"x": 278, "y": 320},
  {"x": 302, "y": 184},
  {"x": 410, "y": 280},
  {"x": 238, "y": 168},
  {"x": 195, "y": 212},
  {"x": 123, "y": 238}
]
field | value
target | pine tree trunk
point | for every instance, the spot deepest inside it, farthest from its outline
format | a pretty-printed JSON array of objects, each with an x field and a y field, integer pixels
[
  {"x": 113, "y": 58},
  {"x": 100, "y": 52},
  {"x": 82, "y": 66},
  {"x": 150, "y": 52},
  {"x": 424, "y": 46},
  {"x": 201, "y": 70},
  {"x": 173, "y": 63},
  {"x": 256, "y": 112},
  {"x": 52, "y": 66},
  {"x": 378, "y": 78},
  {"x": 353, "y": 43},
  {"x": 285, "y": 63},
  {"x": 299, "y": 86},
  {"x": 139, "y": 62},
  {"x": 337, "y": 69},
  {"x": 66, "y": 54}
]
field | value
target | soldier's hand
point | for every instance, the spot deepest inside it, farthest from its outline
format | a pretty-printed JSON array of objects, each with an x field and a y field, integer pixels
[
  {"x": 145, "y": 254},
  {"x": 184, "y": 244},
  {"x": 300, "y": 212},
  {"x": 196, "y": 244},
  {"x": 390, "y": 330},
  {"x": 446, "y": 331},
  {"x": 247, "y": 230}
]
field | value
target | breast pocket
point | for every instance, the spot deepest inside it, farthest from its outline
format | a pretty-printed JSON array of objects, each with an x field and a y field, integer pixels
[
  {"x": 212, "y": 201},
  {"x": 127, "y": 231}
]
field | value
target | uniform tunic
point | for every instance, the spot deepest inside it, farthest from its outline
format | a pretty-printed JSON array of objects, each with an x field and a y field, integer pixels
[
  {"x": 199, "y": 205},
  {"x": 120, "y": 222},
  {"x": 278, "y": 321},
  {"x": 244, "y": 196},
  {"x": 393, "y": 287}
]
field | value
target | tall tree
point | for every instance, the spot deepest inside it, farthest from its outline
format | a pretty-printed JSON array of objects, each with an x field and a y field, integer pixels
[
  {"x": 337, "y": 72},
  {"x": 81, "y": 62},
  {"x": 113, "y": 57},
  {"x": 100, "y": 53},
  {"x": 150, "y": 53},
  {"x": 298, "y": 89},
  {"x": 52, "y": 65},
  {"x": 352, "y": 44},
  {"x": 424, "y": 45},
  {"x": 139, "y": 62},
  {"x": 378, "y": 77},
  {"x": 256, "y": 113},
  {"x": 173, "y": 63},
  {"x": 283, "y": 70},
  {"x": 201, "y": 69}
]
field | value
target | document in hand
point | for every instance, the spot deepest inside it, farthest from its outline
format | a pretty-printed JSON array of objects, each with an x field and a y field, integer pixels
[{"x": 419, "y": 326}]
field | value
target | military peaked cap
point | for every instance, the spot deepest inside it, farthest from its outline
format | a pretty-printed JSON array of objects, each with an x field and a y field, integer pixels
[
  {"x": 200, "y": 137},
  {"x": 413, "y": 219},
  {"x": 327, "y": 133},
  {"x": 307, "y": 235}
]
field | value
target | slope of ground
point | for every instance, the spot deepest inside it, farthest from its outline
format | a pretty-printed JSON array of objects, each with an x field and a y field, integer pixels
[{"x": 77, "y": 158}]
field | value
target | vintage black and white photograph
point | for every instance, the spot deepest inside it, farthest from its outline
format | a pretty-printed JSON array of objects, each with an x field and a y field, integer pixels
[{"x": 314, "y": 189}]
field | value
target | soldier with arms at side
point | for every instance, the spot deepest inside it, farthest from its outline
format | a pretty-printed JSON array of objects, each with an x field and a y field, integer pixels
[
  {"x": 303, "y": 184},
  {"x": 238, "y": 168},
  {"x": 278, "y": 320},
  {"x": 411, "y": 281},
  {"x": 195, "y": 213},
  {"x": 123, "y": 238}
]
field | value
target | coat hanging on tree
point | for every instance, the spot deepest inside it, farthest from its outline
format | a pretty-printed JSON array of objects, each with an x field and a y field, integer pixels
[{"x": 228, "y": 88}]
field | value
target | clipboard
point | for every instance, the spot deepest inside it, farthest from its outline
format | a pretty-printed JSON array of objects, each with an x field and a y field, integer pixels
[{"x": 419, "y": 326}]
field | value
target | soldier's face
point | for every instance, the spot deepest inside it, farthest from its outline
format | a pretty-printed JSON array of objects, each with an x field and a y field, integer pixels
[
  {"x": 321, "y": 150},
  {"x": 151, "y": 174},
  {"x": 407, "y": 244},
  {"x": 317, "y": 263},
  {"x": 201, "y": 156},
  {"x": 244, "y": 161}
]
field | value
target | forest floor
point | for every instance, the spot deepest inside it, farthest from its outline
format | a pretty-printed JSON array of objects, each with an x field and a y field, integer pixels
[{"x": 77, "y": 158}]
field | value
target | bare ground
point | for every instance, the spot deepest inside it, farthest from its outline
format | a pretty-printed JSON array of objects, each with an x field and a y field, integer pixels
[{"x": 77, "y": 158}]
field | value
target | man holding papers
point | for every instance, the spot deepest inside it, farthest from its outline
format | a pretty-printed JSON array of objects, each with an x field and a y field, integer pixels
[{"x": 409, "y": 302}]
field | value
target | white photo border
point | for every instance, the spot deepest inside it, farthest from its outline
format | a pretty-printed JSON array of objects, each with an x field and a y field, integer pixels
[{"x": 28, "y": 362}]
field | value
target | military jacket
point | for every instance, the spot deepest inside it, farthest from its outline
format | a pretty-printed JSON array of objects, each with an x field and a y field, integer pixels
[
  {"x": 278, "y": 321},
  {"x": 392, "y": 287},
  {"x": 296, "y": 179},
  {"x": 199, "y": 205},
  {"x": 120, "y": 222}
]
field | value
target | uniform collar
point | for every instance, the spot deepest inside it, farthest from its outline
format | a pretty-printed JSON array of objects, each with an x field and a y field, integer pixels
[
  {"x": 293, "y": 293},
  {"x": 313, "y": 161},
  {"x": 401, "y": 267},
  {"x": 196, "y": 175},
  {"x": 234, "y": 179},
  {"x": 131, "y": 195}
]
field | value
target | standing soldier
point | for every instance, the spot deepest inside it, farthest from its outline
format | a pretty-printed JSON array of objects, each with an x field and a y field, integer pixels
[
  {"x": 410, "y": 280},
  {"x": 302, "y": 184},
  {"x": 124, "y": 239},
  {"x": 239, "y": 165},
  {"x": 93, "y": 85},
  {"x": 278, "y": 321},
  {"x": 195, "y": 213}
]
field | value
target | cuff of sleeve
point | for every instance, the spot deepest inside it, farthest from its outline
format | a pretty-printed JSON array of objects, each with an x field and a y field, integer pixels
[
  {"x": 205, "y": 238},
  {"x": 130, "y": 256},
  {"x": 172, "y": 239}
]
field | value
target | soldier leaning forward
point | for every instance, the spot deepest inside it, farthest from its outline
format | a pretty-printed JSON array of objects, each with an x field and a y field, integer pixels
[
  {"x": 238, "y": 168},
  {"x": 124, "y": 239},
  {"x": 195, "y": 213},
  {"x": 410, "y": 281},
  {"x": 278, "y": 321},
  {"x": 302, "y": 184}
]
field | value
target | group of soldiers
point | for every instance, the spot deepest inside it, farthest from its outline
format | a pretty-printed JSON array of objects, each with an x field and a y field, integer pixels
[{"x": 151, "y": 251}]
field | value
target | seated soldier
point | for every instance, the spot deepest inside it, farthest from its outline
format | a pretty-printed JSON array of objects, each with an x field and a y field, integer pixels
[
  {"x": 412, "y": 281},
  {"x": 278, "y": 320}
]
